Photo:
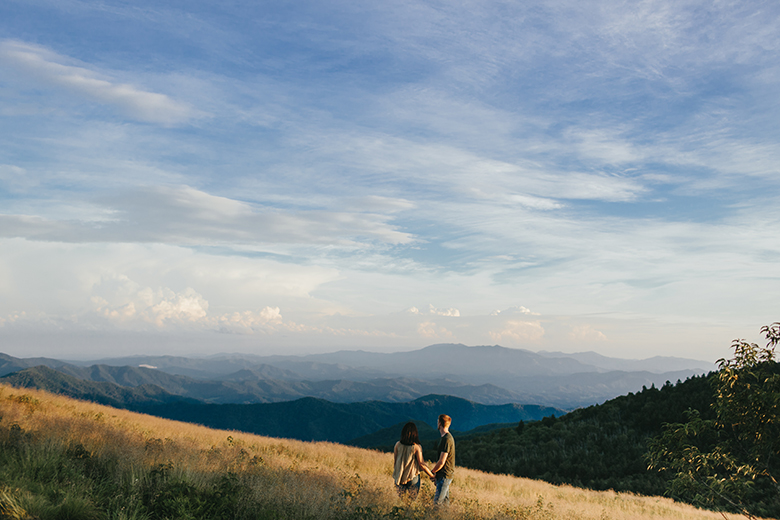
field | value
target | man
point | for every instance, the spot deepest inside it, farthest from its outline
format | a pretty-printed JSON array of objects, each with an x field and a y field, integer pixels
[{"x": 444, "y": 469}]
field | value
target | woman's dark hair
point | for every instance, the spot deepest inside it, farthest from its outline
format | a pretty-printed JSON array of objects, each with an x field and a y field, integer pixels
[{"x": 409, "y": 434}]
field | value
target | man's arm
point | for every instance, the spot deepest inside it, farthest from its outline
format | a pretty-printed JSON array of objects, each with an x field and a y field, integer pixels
[{"x": 440, "y": 463}]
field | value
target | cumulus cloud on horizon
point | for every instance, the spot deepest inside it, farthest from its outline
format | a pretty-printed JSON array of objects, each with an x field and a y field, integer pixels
[
  {"x": 451, "y": 312},
  {"x": 516, "y": 331},
  {"x": 122, "y": 303},
  {"x": 586, "y": 333}
]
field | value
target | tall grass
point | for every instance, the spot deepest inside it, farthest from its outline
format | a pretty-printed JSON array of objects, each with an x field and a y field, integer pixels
[{"x": 61, "y": 459}]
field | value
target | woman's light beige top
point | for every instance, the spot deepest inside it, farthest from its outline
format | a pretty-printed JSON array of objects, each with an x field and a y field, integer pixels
[{"x": 405, "y": 463}]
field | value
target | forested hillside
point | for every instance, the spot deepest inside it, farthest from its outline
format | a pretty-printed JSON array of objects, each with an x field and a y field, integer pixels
[
  {"x": 598, "y": 447},
  {"x": 320, "y": 420}
]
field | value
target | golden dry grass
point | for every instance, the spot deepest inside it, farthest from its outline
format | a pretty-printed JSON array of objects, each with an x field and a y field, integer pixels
[{"x": 308, "y": 479}]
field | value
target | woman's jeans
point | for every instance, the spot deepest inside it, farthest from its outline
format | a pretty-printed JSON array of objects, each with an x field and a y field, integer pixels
[{"x": 410, "y": 489}]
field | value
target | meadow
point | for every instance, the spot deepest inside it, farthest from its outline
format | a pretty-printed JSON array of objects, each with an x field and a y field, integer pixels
[{"x": 66, "y": 459}]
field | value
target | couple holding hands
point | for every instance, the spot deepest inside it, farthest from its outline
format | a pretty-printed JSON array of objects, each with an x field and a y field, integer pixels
[{"x": 409, "y": 463}]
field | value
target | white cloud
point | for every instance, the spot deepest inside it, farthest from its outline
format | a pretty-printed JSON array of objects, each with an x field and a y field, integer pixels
[
  {"x": 517, "y": 309},
  {"x": 148, "y": 283},
  {"x": 49, "y": 68},
  {"x": 451, "y": 312},
  {"x": 535, "y": 202},
  {"x": 249, "y": 321},
  {"x": 515, "y": 331},
  {"x": 431, "y": 331},
  {"x": 161, "y": 307},
  {"x": 184, "y": 215},
  {"x": 586, "y": 333},
  {"x": 165, "y": 308},
  {"x": 442, "y": 170},
  {"x": 14, "y": 317},
  {"x": 444, "y": 312}
]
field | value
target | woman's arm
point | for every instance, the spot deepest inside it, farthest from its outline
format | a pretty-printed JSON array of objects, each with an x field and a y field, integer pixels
[{"x": 420, "y": 461}]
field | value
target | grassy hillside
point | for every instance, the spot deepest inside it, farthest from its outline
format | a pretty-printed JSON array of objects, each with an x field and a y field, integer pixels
[{"x": 61, "y": 458}]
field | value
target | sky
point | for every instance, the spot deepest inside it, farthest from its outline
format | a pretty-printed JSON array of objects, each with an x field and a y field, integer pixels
[{"x": 190, "y": 177}]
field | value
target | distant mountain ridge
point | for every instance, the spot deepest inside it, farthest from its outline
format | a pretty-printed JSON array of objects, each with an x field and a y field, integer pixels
[
  {"x": 443, "y": 358},
  {"x": 103, "y": 392},
  {"x": 305, "y": 419},
  {"x": 247, "y": 386},
  {"x": 9, "y": 364},
  {"x": 297, "y": 397},
  {"x": 657, "y": 364},
  {"x": 485, "y": 374}
]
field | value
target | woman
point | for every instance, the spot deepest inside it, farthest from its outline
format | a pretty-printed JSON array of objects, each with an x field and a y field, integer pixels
[{"x": 408, "y": 462}]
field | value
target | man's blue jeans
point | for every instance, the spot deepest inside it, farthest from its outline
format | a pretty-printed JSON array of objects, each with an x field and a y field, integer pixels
[{"x": 442, "y": 495}]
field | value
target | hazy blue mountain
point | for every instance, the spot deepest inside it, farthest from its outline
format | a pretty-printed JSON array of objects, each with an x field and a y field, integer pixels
[
  {"x": 251, "y": 386},
  {"x": 550, "y": 379},
  {"x": 199, "y": 368},
  {"x": 258, "y": 372},
  {"x": 486, "y": 374},
  {"x": 488, "y": 364},
  {"x": 431, "y": 362},
  {"x": 657, "y": 364},
  {"x": 584, "y": 389},
  {"x": 315, "y": 370},
  {"x": 45, "y": 378},
  {"x": 306, "y": 419},
  {"x": 447, "y": 360},
  {"x": 10, "y": 364}
]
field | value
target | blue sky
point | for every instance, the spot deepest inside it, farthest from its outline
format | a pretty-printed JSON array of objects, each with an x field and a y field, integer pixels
[{"x": 293, "y": 177}]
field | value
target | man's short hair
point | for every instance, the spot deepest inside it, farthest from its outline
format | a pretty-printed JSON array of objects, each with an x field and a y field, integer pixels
[{"x": 445, "y": 420}]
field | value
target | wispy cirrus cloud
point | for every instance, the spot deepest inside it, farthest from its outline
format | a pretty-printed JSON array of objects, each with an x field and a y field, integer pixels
[
  {"x": 187, "y": 216},
  {"x": 54, "y": 70}
]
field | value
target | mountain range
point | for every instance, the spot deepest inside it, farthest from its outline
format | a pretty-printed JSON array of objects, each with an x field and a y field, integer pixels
[
  {"x": 484, "y": 374},
  {"x": 307, "y": 418}
]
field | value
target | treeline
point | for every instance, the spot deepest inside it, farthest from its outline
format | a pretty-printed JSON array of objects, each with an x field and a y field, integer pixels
[
  {"x": 599, "y": 447},
  {"x": 319, "y": 420}
]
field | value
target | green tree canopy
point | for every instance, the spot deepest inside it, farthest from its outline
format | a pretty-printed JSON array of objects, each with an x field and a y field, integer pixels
[{"x": 731, "y": 462}]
